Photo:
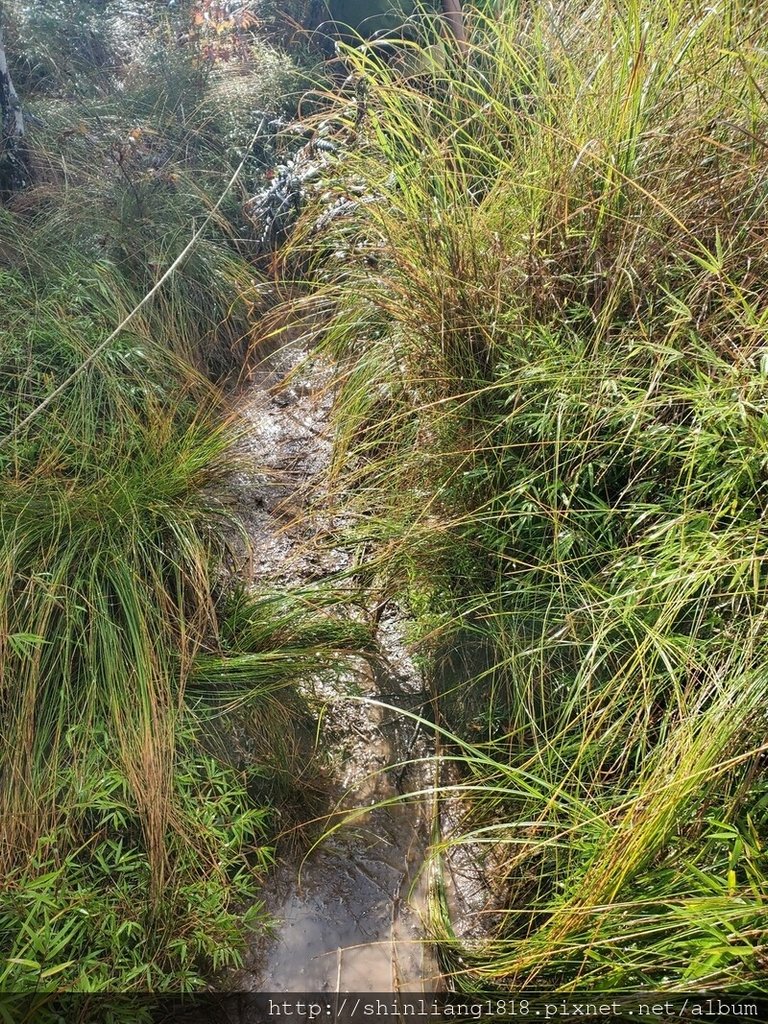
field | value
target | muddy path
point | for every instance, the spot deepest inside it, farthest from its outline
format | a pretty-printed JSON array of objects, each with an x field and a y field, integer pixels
[{"x": 350, "y": 914}]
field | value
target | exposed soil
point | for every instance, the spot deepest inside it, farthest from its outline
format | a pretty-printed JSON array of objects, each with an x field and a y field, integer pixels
[{"x": 350, "y": 912}]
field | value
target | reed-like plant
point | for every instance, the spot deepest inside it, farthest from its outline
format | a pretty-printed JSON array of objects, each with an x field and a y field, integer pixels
[{"x": 551, "y": 430}]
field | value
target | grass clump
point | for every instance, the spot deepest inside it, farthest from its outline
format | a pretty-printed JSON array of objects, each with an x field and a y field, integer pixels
[
  {"x": 75, "y": 915},
  {"x": 110, "y": 554},
  {"x": 552, "y": 419}
]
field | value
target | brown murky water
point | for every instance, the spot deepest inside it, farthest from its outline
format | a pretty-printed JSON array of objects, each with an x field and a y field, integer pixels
[{"x": 350, "y": 915}]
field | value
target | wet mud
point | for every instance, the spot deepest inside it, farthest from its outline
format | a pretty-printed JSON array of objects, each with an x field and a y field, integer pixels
[{"x": 350, "y": 913}]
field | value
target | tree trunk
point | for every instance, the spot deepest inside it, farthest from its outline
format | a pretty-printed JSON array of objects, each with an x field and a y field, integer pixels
[
  {"x": 13, "y": 168},
  {"x": 453, "y": 15}
]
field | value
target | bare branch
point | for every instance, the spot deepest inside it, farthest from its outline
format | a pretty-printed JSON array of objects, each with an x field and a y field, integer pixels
[
  {"x": 13, "y": 115},
  {"x": 12, "y": 129}
]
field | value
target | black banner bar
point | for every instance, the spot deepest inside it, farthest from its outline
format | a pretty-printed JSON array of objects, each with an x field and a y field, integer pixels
[{"x": 399, "y": 1008}]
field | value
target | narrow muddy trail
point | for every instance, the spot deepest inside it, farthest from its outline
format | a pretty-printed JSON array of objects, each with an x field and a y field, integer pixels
[{"x": 350, "y": 913}]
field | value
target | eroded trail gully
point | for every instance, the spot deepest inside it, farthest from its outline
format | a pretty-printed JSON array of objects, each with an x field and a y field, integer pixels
[{"x": 350, "y": 913}]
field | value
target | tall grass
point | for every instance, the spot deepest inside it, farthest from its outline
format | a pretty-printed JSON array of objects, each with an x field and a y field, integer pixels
[
  {"x": 132, "y": 843},
  {"x": 551, "y": 422}
]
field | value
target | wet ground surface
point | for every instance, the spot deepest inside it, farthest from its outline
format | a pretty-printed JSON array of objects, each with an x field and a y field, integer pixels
[{"x": 350, "y": 912}]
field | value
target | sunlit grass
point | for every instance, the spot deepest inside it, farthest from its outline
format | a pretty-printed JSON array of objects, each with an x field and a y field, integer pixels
[{"x": 551, "y": 431}]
